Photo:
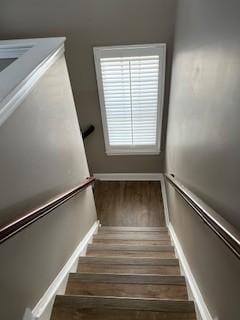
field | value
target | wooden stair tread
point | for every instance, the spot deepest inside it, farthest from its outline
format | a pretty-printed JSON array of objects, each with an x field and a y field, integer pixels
[
  {"x": 142, "y": 286},
  {"x": 126, "y": 247},
  {"x": 136, "y": 290},
  {"x": 128, "y": 278},
  {"x": 130, "y": 250},
  {"x": 133, "y": 242},
  {"x": 126, "y": 269},
  {"x": 130, "y": 261},
  {"x": 113, "y": 314},
  {"x": 132, "y": 229},
  {"x": 133, "y": 236},
  {"x": 74, "y": 313},
  {"x": 129, "y": 265},
  {"x": 141, "y": 304},
  {"x": 128, "y": 273},
  {"x": 130, "y": 253}
]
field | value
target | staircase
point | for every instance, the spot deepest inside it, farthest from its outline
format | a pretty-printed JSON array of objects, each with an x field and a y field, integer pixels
[{"x": 127, "y": 273}]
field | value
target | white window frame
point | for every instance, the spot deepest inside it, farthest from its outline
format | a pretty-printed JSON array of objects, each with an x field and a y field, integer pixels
[{"x": 124, "y": 51}]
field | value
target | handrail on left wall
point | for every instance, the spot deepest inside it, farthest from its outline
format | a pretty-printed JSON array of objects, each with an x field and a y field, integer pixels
[{"x": 24, "y": 220}]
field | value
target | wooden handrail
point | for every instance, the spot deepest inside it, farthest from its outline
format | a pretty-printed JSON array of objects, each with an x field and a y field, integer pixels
[
  {"x": 24, "y": 220},
  {"x": 224, "y": 230},
  {"x": 87, "y": 131}
]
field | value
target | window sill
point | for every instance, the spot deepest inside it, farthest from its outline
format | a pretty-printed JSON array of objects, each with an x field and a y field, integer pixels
[{"x": 132, "y": 152}]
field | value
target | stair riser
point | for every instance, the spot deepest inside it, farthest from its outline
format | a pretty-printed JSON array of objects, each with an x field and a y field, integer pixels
[
  {"x": 98, "y": 268},
  {"x": 137, "y": 254},
  {"x": 127, "y": 290}
]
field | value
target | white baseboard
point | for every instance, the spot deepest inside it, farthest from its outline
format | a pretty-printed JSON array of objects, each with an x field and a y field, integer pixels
[
  {"x": 128, "y": 176},
  {"x": 42, "y": 310},
  {"x": 194, "y": 292}
]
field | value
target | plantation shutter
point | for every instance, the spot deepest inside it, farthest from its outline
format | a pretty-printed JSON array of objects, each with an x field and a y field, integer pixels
[{"x": 130, "y": 95}]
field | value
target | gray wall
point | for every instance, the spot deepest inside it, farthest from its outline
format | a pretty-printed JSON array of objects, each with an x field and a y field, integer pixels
[
  {"x": 88, "y": 23},
  {"x": 42, "y": 154},
  {"x": 203, "y": 141}
]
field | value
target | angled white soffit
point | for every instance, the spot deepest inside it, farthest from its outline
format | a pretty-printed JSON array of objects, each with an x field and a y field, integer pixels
[{"x": 33, "y": 57}]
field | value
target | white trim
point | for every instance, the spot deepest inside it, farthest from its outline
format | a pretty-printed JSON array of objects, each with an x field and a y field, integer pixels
[
  {"x": 28, "y": 315},
  {"x": 42, "y": 310},
  {"x": 125, "y": 51},
  {"x": 202, "y": 309},
  {"x": 164, "y": 198},
  {"x": 134, "y": 151},
  {"x": 128, "y": 176},
  {"x": 13, "y": 51},
  {"x": 35, "y": 57}
]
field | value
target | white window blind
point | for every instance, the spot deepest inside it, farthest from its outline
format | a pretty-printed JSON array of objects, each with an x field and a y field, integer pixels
[{"x": 130, "y": 83}]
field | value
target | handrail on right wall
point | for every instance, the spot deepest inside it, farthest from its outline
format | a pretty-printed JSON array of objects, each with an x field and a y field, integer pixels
[{"x": 224, "y": 230}]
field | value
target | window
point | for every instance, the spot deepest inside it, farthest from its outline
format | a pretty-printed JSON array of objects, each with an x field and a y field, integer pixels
[{"x": 131, "y": 88}]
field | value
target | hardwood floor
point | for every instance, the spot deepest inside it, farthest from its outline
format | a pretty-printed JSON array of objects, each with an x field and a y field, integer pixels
[{"x": 129, "y": 203}]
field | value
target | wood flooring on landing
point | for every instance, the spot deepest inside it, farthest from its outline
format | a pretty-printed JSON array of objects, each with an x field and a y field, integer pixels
[{"x": 129, "y": 203}]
